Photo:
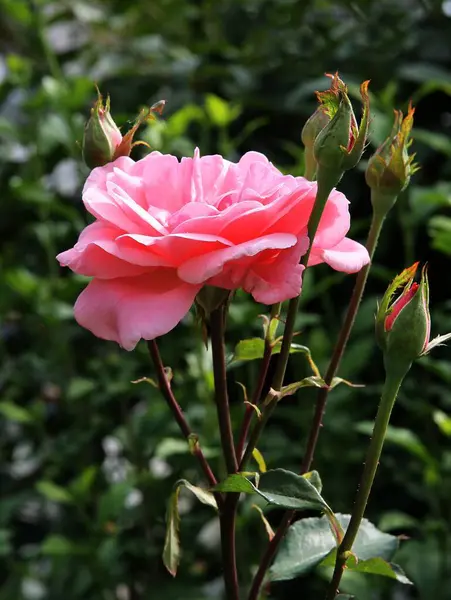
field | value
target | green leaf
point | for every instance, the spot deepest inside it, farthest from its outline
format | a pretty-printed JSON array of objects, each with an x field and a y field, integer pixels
[
  {"x": 310, "y": 542},
  {"x": 171, "y": 550},
  {"x": 236, "y": 483},
  {"x": 378, "y": 566},
  {"x": 81, "y": 485},
  {"x": 289, "y": 490},
  {"x": 54, "y": 492},
  {"x": 6, "y": 547},
  {"x": 279, "y": 488},
  {"x": 253, "y": 349},
  {"x": 14, "y": 412}
]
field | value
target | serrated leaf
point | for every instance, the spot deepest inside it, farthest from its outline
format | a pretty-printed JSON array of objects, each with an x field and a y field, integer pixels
[
  {"x": 236, "y": 483},
  {"x": 310, "y": 542},
  {"x": 202, "y": 495},
  {"x": 254, "y": 348},
  {"x": 54, "y": 492},
  {"x": 171, "y": 550},
  {"x": 279, "y": 488}
]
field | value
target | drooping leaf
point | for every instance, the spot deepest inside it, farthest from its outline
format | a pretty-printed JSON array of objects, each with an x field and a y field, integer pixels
[
  {"x": 310, "y": 543},
  {"x": 292, "y": 388},
  {"x": 269, "y": 529},
  {"x": 202, "y": 495},
  {"x": 258, "y": 457},
  {"x": 171, "y": 550}
]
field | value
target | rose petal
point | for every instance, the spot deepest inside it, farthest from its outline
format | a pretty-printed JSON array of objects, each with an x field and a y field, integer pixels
[
  {"x": 347, "y": 256},
  {"x": 201, "y": 268},
  {"x": 129, "y": 308}
]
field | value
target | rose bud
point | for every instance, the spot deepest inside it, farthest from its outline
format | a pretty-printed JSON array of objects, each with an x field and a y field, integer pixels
[
  {"x": 340, "y": 144},
  {"x": 313, "y": 126},
  {"x": 403, "y": 326},
  {"x": 390, "y": 168},
  {"x": 102, "y": 139}
]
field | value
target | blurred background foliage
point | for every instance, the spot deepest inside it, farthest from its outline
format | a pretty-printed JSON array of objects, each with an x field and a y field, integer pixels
[{"x": 88, "y": 459}]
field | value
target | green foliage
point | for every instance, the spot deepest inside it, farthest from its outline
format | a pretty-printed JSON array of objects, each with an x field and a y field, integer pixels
[{"x": 89, "y": 460}]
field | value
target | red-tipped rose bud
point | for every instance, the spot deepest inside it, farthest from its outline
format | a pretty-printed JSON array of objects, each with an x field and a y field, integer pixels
[
  {"x": 403, "y": 326},
  {"x": 103, "y": 141},
  {"x": 390, "y": 168},
  {"x": 340, "y": 144}
]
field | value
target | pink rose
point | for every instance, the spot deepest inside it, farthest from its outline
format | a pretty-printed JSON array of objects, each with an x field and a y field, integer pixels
[{"x": 166, "y": 228}]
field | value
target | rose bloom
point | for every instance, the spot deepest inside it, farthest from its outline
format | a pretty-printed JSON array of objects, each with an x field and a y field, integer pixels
[{"x": 163, "y": 229}]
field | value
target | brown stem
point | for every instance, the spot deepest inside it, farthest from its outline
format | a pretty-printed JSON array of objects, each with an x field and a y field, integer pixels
[
  {"x": 256, "y": 397},
  {"x": 373, "y": 236},
  {"x": 227, "y": 520},
  {"x": 168, "y": 394},
  {"x": 221, "y": 397}
]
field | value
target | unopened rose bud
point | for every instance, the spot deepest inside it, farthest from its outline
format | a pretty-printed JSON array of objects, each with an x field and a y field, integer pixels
[
  {"x": 340, "y": 144},
  {"x": 390, "y": 168},
  {"x": 403, "y": 326},
  {"x": 101, "y": 136},
  {"x": 103, "y": 141},
  {"x": 313, "y": 126}
]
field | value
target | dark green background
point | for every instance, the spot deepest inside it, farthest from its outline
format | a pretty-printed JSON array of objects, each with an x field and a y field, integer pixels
[{"x": 237, "y": 75}]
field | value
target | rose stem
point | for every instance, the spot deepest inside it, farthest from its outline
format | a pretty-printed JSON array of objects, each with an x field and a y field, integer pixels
[
  {"x": 168, "y": 394},
  {"x": 227, "y": 514},
  {"x": 389, "y": 393},
  {"x": 256, "y": 396},
  {"x": 373, "y": 236},
  {"x": 322, "y": 194}
]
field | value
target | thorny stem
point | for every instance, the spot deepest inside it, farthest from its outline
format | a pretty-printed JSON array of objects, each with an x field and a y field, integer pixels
[
  {"x": 340, "y": 346},
  {"x": 168, "y": 394},
  {"x": 373, "y": 236},
  {"x": 221, "y": 396},
  {"x": 389, "y": 393},
  {"x": 227, "y": 513},
  {"x": 322, "y": 194},
  {"x": 256, "y": 396}
]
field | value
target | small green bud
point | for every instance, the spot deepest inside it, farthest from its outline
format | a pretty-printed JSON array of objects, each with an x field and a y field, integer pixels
[
  {"x": 313, "y": 126},
  {"x": 340, "y": 144},
  {"x": 102, "y": 139},
  {"x": 101, "y": 136},
  {"x": 390, "y": 168}
]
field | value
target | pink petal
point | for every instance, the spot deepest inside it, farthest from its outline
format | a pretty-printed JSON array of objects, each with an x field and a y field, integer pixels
[
  {"x": 335, "y": 221},
  {"x": 347, "y": 256},
  {"x": 127, "y": 309},
  {"x": 171, "y": 250},
  {"x": 201, "y": 268},
  {"x": 96, "y": 254}
]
